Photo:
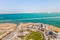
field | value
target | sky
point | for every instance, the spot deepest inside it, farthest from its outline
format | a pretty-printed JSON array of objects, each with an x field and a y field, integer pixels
[{"x": 29, "y": 6}]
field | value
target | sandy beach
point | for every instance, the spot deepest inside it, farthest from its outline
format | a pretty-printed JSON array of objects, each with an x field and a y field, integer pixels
[
  {"x": 56, "y": 29},
  {"x": 8, "y": 26}
]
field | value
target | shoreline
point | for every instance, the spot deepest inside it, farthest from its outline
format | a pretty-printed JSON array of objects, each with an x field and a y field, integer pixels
[{"x": 54, "y": 28}]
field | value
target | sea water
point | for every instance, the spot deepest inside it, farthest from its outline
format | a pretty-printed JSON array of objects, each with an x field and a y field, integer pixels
[{"x": 46, "y": 18}]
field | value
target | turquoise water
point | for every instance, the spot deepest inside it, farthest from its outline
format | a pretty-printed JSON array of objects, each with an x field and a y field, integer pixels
[{"x": 46, "y": 18}]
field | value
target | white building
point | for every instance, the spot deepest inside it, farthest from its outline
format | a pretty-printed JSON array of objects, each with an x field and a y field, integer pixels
[{"x": 58, "y": 35}]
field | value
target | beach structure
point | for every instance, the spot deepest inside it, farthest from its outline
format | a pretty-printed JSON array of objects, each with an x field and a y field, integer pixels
[
  {"x": 10, "y": 36},
  {"x": 58, "y": 35},
  {"x": 36, "y": 25},
  {"x": 3, "y": 35},
  {"x": 25, "y": 33},
  {"x": 22, "y": 26},
  {"x": 16, "y": 38}
]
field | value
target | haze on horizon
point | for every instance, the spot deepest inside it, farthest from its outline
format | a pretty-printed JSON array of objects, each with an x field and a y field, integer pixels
[{"x": 14, "y": 6}]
